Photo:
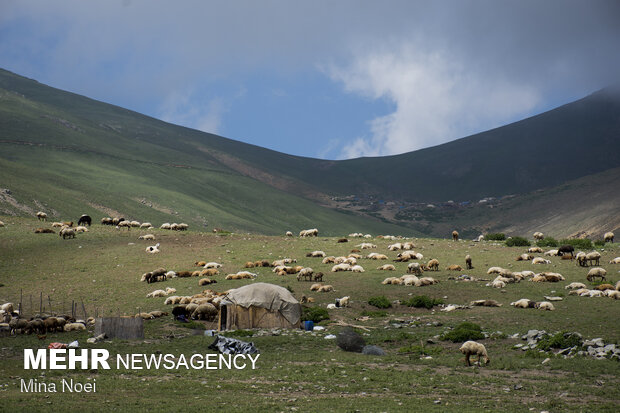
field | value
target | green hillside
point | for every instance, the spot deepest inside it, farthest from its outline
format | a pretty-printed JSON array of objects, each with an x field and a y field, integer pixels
[{"x": 67, "y": 155}]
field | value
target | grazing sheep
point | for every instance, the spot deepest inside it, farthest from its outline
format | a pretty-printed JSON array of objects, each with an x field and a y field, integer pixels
[
  {"x": 325, "y": 288},
  {"x": 485, "y": 303},
  {"x": 165, "y": 225},
  {"x": 574, "y": 286},
  {"x": 44, "y": 231},
  {"x": 455, "y": 235},
  {"x": 124, "y": 224},
  {"x": 387, "y": 267},
  {"x": 106, "y": 221},
  {"x": 538, "y": 236},
  {"x": 318, "y": 276},
  {"x": 432, "y": 265},
  {"x": 582, "y": 260},
  {"x": 566, "y": 249},
  {"x": 289, "y": 234},
  {"x": 523, "y": 303},
  {"x": 305, "y": 273},
  {"x": 205, "y": 311},
  {"x": 608, "y": 237},
  {"x": 540, "y": 260},
  {"x": 41, "y": 216},
  {"x": 615, "y": 261},
  {"x": 153, "y": 249},
  {"x": 309, "y": 233},
  {"x": 146, "y": 225},
  {"x": 329, "y": 260},
  {"x": 85, "y": 219},
  {"x": 472, "y": 348},
  {"x": 596, "y": 272},
  {"x": 468, "y": 264},
  {"x": 66, "y": 232},
  {"x": 213, "y": 265},
  {"x": 545, "y": 305},
  {"x": 414, "y": 268},
  {"x": 593, "y": 256},
  {"x": 454, "y": 267},
  {"x": 341, "y": 267},
  {"x": 551, "y": 253}
]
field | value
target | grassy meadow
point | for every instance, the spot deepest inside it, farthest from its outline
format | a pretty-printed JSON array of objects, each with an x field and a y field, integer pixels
[{"x": 298, "y": 370}]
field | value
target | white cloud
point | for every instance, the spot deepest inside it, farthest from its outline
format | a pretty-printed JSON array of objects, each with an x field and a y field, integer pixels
[
  {"x": 437, "y": 99},
  {"x": 182, "y": 109}
]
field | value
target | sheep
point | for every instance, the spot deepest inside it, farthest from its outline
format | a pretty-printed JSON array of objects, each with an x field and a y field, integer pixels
[
  {"x": 342, "y": 240},
  {"x": 608, "y": 237},
  {"x": 550, "y": 277},
  {"x": 206, "y": 281},
  {"x": 1, "y": 224},
  {"x": 318, "y": 276},
  {"x": 325, "y": 288},
  {"x": 524, "y": 257},
  {"x": 366, "y": 245},
  {"x": 408, "y": 255},
  {"x": 146, "y": 225},
  {"x": 262, "y": 263},
  {"x": 209, "y": 272},
  {"x": 594, "y": 293},
  {"x": 213, "y": 265},
  {"x": 341, "y": 267},
  {"x": 455, "y": 235},
  {"x": 454, "y": 267},
  {"x": 582, "y": 260},
  {"x": 432, "y": 265},
  {"x": 106, "y": 221},
  {"x": 593, "y": 256},
  {"x": 377, "y": 256},
  {"x": 578, "y": 291},
  {"x": 85, "y": 219},
  {"x": 343, "y": 302},
  {"x": 468, "y": 264},
  {"x": 523, "y": 303},
  {"x": 124, "y": 224},
  {"x": 309, "y": 233},
  {"x": 56, "y": 224},
  {"x": 540, "y": 260},
  {"x": 80, "y": 229},
  {"x": 472, "y": 348},
  {"x": 596, "y": 272},
  {"x": 41, "y": 216},
  {"x": 165, "y": 225},
  {"x": 147, "y": 237},
  {"x": 157, "y": 313},
  {"x": 306, "y": 300},
  {"x": 615, "y": 261},
  {"x": 66, "y": 232},
  {"x": 7, "y": 308},
  {"x": 152, "y": 249},
  {"x": 479, "y": 238},
  {"x": 545, "y": 305},
  {"x": 289, "y": 234},
  {"x": 391, "y": 280},
  {"x": 410, "y": 280},
  {"x": 172, "y": 300},
  {"x": 74, "y": 327},
  {"x": 316, "y": 254},
  {"x": 497, "y": 284},
  {"x": 387, "y": 267},
  {"x": 618, "y": 286},
  {"x": 414, "y": 268},
  {"x": 427, "y": 281},
  {"x": 551, "y": 253},
  {"x": 485, "y": 303},
  {"x": 44, "y": 231},
  {"x": 329, "y": 260},
  {"x": 357, "y": 268},
  {"x": 306, "y": 273},
  {"x": 565, "y": 249},
  {"x": 612, "y": 294},
  {"x": 205, "y": 311},
  {"x": 331, "y": 306},
  {"x": 249, "y": 264},
  {"x": 156, "y": 293},
  {"x": 603, "y": 287},
  {"x": 574, "y": 286},
  {"x": 394, "y": 247},
  {"x": 182, "y": 226}
]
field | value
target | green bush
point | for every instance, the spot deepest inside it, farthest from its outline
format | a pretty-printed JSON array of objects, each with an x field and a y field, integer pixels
[
  {"x": 499, "y": 236},
  {"x": 559, "y": 340},
  {"x": 584, "y": 244},
  {"x": 380, "y": 302},
  {"x": 517, "y": 242},
  {"x": 316, "y": 314},
  {"x": 547, "y": 242},
  {"x": 463, "y": 332},
  {"x": 421, "y": 301},
  {"x": 599, "y": 243}
]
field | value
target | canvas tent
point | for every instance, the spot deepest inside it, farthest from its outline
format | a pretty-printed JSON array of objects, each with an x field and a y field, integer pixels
[{"x": 259, "y": 305}]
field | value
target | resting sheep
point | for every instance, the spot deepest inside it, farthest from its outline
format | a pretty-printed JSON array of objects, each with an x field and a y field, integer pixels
[
  {"x": 485, "y": 303},
  {"x": 320, "y": 254},
  {"x": 387, "y": 267},
  {"x": 147, "y": 237},
  {"x": 574, "y": 286},
  {"x": 325, "y": 288},
  {"x": 551, "y": 253},
  {"x": 153, "y": 249},
  {"x": 615, "y": 261},
  {"x": 540, "y": 260},
  {"x": 545, "y": 305},
  {"x": 357, "y": 268},
  {"x": 213, "y": 265},
  {"x": 472, "y": 348},
  {"x": 523, "y": 303},
  {"x": 454, "y": 267},
  {"x": 535, "y": 250}
]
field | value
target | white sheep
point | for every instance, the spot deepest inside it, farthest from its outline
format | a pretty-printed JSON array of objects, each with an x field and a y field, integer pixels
[
  {"x": 522, "y": 303},
  {"x": 366, "y": 245},
  {"x": 609, "y": 237},
  {"x": 289, "y": 234},
  {"x": 81, "y": 228},
  {"x": 596, "y": 272},
  {"x": 414, "y": 268},
  {"x": 149, "y": 237},
  {"x": 539, "y": 235},
  {"x": 343, "y": 302},
  {"x": 593, "y": 256},
  {"x": 165, "y": 225},
  {"x": 357, "y": 268},
  {"x": 534, "y": 250},
  {"x": 213, "y": 265},
  {"x": 551, "y": 253},
  {"x": 331, "y": 306},
  {"x": 615, "y": 261},
  {"x": 545, "y": 305},
  {"x": 156, "y": 293},
  {"x": 472, "y": 348},
  {"x": 395, "y": 247},
  {"x": 409, "y": 279},
  {"x": 540, "y": 260},
  {"x": 387, "y": 267},
  {"x": 479, "y": 238},
  {"x": 153, "y": 249},
  {"x": 146, "y": 225},
  {"x": 574, "y": 286},
  {"x": 316, "y": 254},
  {"x": 341, "y": 267}
]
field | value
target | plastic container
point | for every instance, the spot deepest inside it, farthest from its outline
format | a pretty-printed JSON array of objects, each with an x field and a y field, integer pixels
[{"x": 309, "y": 325}]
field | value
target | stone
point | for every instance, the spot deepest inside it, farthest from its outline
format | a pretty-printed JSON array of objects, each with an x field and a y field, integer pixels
[
  {"x": 373, "y": 351},
  {"x": 349, "y": 340}
]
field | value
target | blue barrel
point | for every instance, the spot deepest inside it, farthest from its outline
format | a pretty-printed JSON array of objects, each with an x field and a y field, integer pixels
[{"x": 309, "y": 325}]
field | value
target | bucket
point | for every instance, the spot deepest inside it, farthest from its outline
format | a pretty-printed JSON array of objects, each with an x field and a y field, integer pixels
[{"x": 309, "y": 325}]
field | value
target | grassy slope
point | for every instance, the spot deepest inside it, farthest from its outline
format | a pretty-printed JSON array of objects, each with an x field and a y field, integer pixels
[{"x": 302, "y": 370}]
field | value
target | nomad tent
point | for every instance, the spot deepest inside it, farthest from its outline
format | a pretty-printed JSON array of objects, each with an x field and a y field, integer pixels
[{"x": 259, "y": 305}]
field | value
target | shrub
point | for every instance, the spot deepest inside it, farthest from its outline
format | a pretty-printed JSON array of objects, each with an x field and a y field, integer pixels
[
  {"x": 559, "y": 340},
  {"x": 463, "y": 332},
  {"x": 547, "y": 242},
  {"x": 499, "y": 236},
  {"x": 316, "y": 314},
  {"x": 599, "y": 243},
  {"x": 380, "y": 302},
  {"x": 584, "y": 244},
  {"x": 421, "y": 301},
  {"x": 517, "y": 242}
]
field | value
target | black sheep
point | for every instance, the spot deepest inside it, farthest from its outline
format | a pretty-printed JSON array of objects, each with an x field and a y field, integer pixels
[
  {"x": 565, "y": 249},
  {"x": 85, "y": 219}
]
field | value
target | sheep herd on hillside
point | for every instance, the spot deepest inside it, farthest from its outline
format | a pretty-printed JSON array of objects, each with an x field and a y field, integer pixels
[{"x": 205, "y": 305}]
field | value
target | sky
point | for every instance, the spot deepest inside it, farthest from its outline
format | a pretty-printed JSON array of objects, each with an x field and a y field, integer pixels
[{"x": 324, "y": 79}]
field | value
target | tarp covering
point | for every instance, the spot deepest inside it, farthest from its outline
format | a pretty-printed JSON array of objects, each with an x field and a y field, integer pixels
[
  {"x": 269, "y": 296},
  {"x": 227, "y": 345}
]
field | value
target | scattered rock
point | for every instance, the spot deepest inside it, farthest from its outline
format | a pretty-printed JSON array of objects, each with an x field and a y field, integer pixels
[
  {"x": 373, "y": 351},
  {"x": 349, "y": 340}
]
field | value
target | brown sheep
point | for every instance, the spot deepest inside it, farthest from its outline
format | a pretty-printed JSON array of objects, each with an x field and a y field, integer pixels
[
  {"x": 44, "y": 231},
  {"x": 341, "y": 240},
  {"x": 249, "y": 264},
  {"x": 325, "y": 288},
  {"x": 604, "y": 287},
  {"x": 454, "y": 267},
  {"x": 183, "y": 274},
  {"x": 455, "y": 235},
  {"x": 432, "y": 265},
  {"x": 209, "y": 272},
  {"x": 200, "y": 263},
  {"x": 206, "y": 281},
  {"x": 318, "y": 276}
]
